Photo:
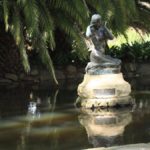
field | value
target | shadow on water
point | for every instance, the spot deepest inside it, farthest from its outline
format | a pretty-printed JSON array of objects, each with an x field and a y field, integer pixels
[{"x": 47, "y": 120}]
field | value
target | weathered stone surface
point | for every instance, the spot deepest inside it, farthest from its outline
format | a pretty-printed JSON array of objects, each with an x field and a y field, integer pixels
[
  {"x": 22, "y": 76},
  {"x": 35, "y": 87},
  {"x": 45, "y": 75},
  {"x": 30, "y": 79},
  {"x": 11, "y": 76},
  {"x": 5, "y": 81},
  {"x": 130, "y": 67},
  {"x": 143, "y": 69},
  {"x": 60, "y": 75},
  {"x": 103, "y": 86},
  {"x": 34, "y": 72},
  {"x": 104, "y": 90},
  {"x": 80, "y": 75},
  {"x": 13, "y": 85},
  {"x": 81, "y": 70},
  {"x": 98, "y": 69},
  {"x": 71, "y": 71}
]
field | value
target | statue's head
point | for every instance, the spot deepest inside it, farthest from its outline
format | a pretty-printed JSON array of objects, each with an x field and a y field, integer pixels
[{"x": 96, "y": 19}]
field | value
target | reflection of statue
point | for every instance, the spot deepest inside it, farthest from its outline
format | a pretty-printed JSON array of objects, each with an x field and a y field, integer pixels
[
  {"x": 99, "y": 34},
  {"x": 105, "y": 128}
]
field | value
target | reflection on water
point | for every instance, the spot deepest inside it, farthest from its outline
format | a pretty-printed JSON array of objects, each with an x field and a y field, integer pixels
[
  {"x": 39, "y": 121},
  {"x": 35, "y": 104},
  {"x": 47, "y": 120},
  {"x": 105, "y": 127}
]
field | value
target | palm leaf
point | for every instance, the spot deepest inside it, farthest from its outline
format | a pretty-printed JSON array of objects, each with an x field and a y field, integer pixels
[
  {"x": 17, "y": 32},
  {"x": 31, "y": 15},
  {"x": 40, "y": 45},
  {"x": 6, "y": 14},
  {"x": 46, "y": 23}
]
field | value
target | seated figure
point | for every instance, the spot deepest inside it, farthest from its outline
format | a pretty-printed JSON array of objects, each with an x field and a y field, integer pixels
[{"x": 99, "y": 34}]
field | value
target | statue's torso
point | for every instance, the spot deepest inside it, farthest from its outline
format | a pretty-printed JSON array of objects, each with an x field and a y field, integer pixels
[{"x": 98, "y": 38}]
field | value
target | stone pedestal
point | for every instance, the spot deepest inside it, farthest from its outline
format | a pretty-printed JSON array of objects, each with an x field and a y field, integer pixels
[{"x": 104, "y": 90}]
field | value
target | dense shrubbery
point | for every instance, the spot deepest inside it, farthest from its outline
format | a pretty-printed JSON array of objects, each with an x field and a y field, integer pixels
[
  {"x": 34, "y": 24},
  {"x": 69, "y": 57},
  {"x": 137, "y": 52}
]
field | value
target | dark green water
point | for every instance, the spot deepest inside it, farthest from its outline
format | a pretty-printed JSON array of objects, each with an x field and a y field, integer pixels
[{"x": 48, "y": 120}]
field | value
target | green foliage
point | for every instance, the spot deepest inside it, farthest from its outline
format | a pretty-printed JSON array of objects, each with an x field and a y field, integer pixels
[
  {"x": 132, "y": 36},
  {"x": 135, "y": 52},
  {"x": 35, "y": 22},
  {"x": 120, "y": 14},
  {"x": 6, "y": 11},
  {"x": 80, "y": 50}
]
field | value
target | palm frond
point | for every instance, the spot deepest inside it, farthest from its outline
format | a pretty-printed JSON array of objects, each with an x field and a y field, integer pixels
[
  {"x": 65, "y": 24},
  {"x": 24, "y": 55},
  {"x": 93, "y": 5},
  {"x": 46, "y": 23},
  {"x": 72, "y": 9},
  {"x": 40, "y": 18},
  {"x": 6, "y": 13},
  {"x": 30, "y": 11},
  {"x": 44, "y": 55},
  {"x": 17, "y": 31}
]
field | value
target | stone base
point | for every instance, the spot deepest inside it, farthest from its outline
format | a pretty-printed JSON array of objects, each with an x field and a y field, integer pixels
[{"x": 104, "y": 90}]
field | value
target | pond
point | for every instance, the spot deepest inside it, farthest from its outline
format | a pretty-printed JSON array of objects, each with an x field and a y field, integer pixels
[{"x": 48, "y": 120}]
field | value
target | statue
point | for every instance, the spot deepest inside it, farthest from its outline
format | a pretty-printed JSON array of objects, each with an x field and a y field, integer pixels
[
  {"x": 103, "y": 84},
  {"x": 99, "y": 34}
]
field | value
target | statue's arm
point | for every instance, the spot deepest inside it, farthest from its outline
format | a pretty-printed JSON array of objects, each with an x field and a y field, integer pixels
[
  {"x": 108, "y": 34},
  {"x": 88, "y": 32},
  {"x": 88, "y": 40}
]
